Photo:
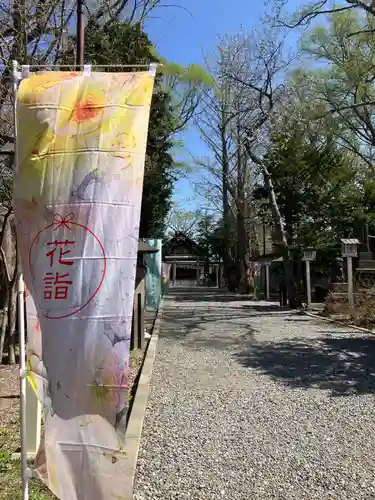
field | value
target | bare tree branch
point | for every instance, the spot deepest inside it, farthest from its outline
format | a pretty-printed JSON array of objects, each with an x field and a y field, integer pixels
[{"x": 316, "y": 10}]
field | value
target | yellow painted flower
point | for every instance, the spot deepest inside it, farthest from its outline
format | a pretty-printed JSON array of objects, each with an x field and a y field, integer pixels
[
  {"x": 65, "y": 115},
  {"x": 141, "y": 94},
  {"x": 122, "y": 144},
  {"x": 80, "y": 110},
  {"x": 109, "y": 383},
  {"x": 32, "y": 88},
  {"x": 90, "y": 106}
]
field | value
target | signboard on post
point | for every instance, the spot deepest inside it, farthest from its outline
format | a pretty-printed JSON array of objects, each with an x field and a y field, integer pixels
[
  {"x": 349, "y": 249},
  {"x": 153, "y": 276},
  {"x": 309, "y": 255},
  {"x": 81, "y": 149}
]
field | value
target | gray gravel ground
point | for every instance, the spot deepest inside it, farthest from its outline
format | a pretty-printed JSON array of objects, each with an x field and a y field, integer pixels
[{"x": 252, "y": 402}]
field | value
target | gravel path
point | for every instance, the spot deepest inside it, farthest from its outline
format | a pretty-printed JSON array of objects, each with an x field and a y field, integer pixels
[{"x": 252, "y": 402}]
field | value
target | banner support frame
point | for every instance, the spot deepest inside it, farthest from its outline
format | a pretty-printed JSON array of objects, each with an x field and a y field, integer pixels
[{"x": 20, "y": 291}]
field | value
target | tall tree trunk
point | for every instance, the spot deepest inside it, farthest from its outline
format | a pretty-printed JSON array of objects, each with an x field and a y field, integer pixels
[
  {"x": 243, "y": 244},
  {"x": 243, "y": 254},
  {"x": 243, "y": 261},
  {"x": 287, "y": 259},
  {"x": 4, "y": 324},
  {"x": 278, "y": 220},
  {"x": 7, "y": 260},
  {"x": 12, "y": 312},
  {"x": 227, "y": 260},
  {"x": 9, "y": 255}
]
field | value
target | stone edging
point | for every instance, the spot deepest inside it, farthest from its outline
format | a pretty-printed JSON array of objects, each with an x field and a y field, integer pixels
[
  {"x": 347, "y": 325},
  {"x": 135, "y": 423}
]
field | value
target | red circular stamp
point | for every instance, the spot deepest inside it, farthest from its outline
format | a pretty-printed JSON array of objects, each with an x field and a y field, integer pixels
[{"x": 67, "y": 265}]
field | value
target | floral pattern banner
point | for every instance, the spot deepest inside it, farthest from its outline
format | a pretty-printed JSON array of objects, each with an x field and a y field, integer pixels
[{"x": 77, "y": 193}]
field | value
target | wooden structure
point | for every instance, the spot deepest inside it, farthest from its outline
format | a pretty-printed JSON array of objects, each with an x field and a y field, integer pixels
[
  {"x": 365, "y": 269},
  {"x": 138, "y": 322},
  {"x": 189, "y": 262}
]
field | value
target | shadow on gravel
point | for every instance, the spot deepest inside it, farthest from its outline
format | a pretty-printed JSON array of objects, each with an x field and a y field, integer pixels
[
  {"x": 298, "y": 320},
  {"x": 197, "y": 331},
  {"x": 263, "y": 307},
  {"x": 334, "y": 329},
  {"x": 220, "y": 342},
  {"x": 345, "y": 366},
  {"x": 268, "y": 309},
  {"x": 204, "y": 294}
]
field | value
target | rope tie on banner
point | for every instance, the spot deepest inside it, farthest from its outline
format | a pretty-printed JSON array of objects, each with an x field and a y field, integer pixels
[
  {"x": 152, "y": 69},
  {"x": 87, "y": 70},
  {"x": 65, "y": 221},
  {"x": 25, "y": 70}
]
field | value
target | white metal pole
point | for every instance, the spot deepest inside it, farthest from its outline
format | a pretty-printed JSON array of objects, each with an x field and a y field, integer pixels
[
  {"x": 21, "y": 316},
  {"x": 308, "y": 283},
  {"x": 33, "y": 421},
  {"x": 350, "y": 281}
]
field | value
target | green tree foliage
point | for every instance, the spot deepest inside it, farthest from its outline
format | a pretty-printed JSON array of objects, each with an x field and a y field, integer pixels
[
  {"x": 316, "y": 188},
  {"x": 158, "y": 181},
  {"x": 176, "y": 98},
  {"x": 339, "y": 93},
  {"x": 340, "y": 82},
  {"x": 121, "y": 43},
  {"x": 319, "y": 8},
  {"x": 210, "y": 236}
]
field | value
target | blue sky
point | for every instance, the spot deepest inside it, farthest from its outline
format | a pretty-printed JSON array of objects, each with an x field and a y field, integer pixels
[{"x": 186, "y": 35}]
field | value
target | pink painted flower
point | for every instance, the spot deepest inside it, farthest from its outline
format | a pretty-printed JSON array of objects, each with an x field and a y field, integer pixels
[{"x": 110, "y": 381}]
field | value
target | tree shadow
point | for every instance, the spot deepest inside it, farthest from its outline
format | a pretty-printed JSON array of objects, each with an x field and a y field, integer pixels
[
  {"x": 204, "y": 294},
  {"x": 223, "y": 342},
  {"x": 306, "y": 319},
  {"x": 342, "y": 365},
  {"x": 197, "y": 332},
  {"x": 266, "y": 308}
]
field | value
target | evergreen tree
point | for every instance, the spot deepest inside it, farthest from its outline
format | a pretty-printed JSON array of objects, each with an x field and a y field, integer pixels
[
  {"x": 316, "y": 186},
  {"x": 121, "y": 43}
]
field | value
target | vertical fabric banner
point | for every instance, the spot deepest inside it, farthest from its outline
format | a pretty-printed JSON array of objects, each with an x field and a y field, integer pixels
[
  {"x": 77, "y": 193},
  {"x": 153, "y": 276}
]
